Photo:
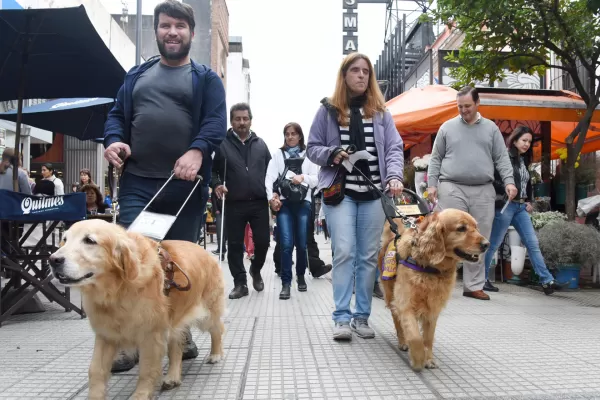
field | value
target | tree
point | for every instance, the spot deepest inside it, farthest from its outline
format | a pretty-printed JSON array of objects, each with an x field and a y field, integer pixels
[{"x": 521, "y": 35}]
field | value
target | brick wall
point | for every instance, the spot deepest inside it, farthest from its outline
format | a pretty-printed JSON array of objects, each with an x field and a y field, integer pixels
[{"x": 220, "y": 39}]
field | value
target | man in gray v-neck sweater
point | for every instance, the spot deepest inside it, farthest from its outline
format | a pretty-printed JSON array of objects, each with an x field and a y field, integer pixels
[{"x": 466, "y": 151}]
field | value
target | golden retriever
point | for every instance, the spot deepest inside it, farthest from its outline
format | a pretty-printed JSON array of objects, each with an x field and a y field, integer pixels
[
  {"x": 121, "y": 281},
  {"x": 440, "y": 241}
]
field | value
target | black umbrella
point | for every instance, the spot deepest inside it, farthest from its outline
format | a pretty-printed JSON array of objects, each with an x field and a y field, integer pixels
[
  {"x": 80, "y": 118},
  {"x": 53, "y": 53}
]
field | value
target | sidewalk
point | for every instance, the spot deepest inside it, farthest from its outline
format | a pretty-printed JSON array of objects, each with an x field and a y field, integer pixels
[{"x": 520, "y": 345}]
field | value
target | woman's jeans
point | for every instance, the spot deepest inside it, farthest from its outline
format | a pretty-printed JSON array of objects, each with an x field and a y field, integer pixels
[
  {"x": 517, "y": 216},
  {"x": 292, "y": 225},
  {"x": 355, "y": 228}
]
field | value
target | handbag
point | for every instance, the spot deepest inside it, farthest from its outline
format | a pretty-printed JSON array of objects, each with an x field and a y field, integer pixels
[
  {"x": 334, "y": 194},
  {"x": 291, "y": 191}
]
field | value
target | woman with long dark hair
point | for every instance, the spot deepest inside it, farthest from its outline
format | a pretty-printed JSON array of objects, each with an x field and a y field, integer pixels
[
  {"x": 294, "y": 176},
  {"x": 520, "y": 150}
]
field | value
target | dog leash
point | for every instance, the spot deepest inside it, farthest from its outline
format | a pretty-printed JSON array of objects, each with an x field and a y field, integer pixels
[{"x": 389, "y": 208}]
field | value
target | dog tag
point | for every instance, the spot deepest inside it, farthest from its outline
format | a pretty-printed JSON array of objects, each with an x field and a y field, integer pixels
[{"x": 153, "y": 225}]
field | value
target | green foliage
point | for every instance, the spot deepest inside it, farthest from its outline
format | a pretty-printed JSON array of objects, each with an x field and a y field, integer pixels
[{"x": 519, "y": 35}]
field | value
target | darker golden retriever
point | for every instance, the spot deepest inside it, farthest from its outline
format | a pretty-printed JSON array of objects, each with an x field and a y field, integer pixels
[
  {"x": 121, "y": 281},
  {"x": 440, "y": 241}
]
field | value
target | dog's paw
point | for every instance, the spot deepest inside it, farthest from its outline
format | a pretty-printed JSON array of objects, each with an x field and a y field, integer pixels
[
  {"x": 403, "y": 346},
  {"x": 169, "y": 384},
  {"x": 214, "y": 358},
  {"x": 430, "y": 364},
  {"x": 416, "y": 367}
]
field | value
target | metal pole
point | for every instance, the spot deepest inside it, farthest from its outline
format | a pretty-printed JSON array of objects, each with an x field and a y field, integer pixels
[
  {"x": 221, "y": 244},
  {"x": 138, "y": 33}
]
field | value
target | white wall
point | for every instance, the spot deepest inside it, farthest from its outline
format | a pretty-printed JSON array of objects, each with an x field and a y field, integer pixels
[
  {"x": 108, "y": 29},
  {"x": 235, "y": 81}
]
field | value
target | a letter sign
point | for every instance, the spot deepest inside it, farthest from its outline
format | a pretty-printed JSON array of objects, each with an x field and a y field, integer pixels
[
  {"x": 350, "y": 4},
  {"x": 350, "y": 22},
  {"x": 350, "y": 44}
]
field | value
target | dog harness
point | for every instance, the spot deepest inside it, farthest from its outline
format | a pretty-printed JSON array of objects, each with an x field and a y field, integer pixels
[
  {"x": 168, "y": 266},
  {"x": 391, "y": 260}
]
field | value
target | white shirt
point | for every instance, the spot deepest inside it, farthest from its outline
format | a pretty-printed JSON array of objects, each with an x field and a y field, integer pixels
[
  {"x": 59, "y": 187},
  {"x": 276, "y": 166}
]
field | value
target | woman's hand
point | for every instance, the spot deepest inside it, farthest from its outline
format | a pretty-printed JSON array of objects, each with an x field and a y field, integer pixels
[
  {"x": 395, "y": 187},
  {"x": 528, "y": 207},
  {"x": 275, "y": 203},
  {"x": 297, "y": 179},
  {"x": 342, "y": 155}
]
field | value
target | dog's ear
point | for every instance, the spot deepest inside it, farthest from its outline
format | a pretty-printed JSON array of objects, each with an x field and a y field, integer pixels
[
  {"x": 430, "y": 244},
  {"x": 128, "y": 259}
]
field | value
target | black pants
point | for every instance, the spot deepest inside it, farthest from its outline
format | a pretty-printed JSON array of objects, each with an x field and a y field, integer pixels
[
  {"x": 325, "y": 231},
  {"x": 237, "y": 215},
  {"x": 314, "y": 261}
]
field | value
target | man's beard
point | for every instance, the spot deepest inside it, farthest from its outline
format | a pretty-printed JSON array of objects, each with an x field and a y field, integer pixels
[{"x": 181, "y": 54}]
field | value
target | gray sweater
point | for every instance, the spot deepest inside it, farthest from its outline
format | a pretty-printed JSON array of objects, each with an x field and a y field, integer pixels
[
  {"x": 468, "y": 154},
  {"x": 6, "y": 181}
]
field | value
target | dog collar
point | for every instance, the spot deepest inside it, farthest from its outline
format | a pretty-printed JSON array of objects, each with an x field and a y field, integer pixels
[{"x": 411, "y": 263}]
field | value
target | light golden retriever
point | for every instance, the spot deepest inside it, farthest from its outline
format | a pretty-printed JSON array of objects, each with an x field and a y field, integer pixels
[
  {"x": 121, "y": 281},
  {"x": 440, "y": 241}
]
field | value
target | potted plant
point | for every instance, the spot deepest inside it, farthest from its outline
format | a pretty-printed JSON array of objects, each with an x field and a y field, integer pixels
[
  {"x": 540, "y": 188},
  {"x": 566, "y": 247},
  {"x": 541, "y": 219}
]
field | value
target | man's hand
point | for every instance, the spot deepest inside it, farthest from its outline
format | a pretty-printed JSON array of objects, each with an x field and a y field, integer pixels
[
  {"x": 188, "y": 165},
  {"x": 297, "y": 179},
  {"x": 396, "y": 187},
  {"x": 342, "y": 155},
  {"x": 511, "y": 191},
  {"x": 528, "y": 207},
  {"x": 112, "y": 153},
  {"x": 432, "y": 192},
  {"x": 220, "y": 191}
]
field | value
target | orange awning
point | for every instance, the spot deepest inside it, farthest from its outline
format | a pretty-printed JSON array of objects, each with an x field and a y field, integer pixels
[{"x": 420, "y": 112}]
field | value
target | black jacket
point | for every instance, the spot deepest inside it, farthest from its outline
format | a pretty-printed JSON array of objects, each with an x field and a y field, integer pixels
[
  {"x": 245, "y": 168},
  {"x": 499, "y": 185}
]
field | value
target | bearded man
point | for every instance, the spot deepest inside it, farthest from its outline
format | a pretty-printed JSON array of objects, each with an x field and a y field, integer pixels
[{"x": 170, "y": 115}]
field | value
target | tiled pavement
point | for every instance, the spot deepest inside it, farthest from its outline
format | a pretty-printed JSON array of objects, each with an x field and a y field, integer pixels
[{"x": 520, "y": 345}]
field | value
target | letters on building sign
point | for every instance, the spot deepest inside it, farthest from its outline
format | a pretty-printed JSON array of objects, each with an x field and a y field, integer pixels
[
  {"x": 350, "y": 26},
  {"x": 350, "y": 4},
  {"x": 350, "y": 44}
]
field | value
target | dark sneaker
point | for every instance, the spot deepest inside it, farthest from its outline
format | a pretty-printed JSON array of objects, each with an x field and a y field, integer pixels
[
  {"x": 342, "y": 331},
  {"x": 189, "y": 347},
  {"x": 257, "y": 281},
  {"x": 551, "y": 286},
  {"x": 285, "y": 292},
  {"x": 377, "y": 292},
  {"x": 124, "y": 361},
  {"x": 302, "y": 287},
  {"x": 238, "y": 292},
  {"x": 488, "y": 287},
  {"x": 362, "y": 329},
  {"x": 318, "y": 272}
]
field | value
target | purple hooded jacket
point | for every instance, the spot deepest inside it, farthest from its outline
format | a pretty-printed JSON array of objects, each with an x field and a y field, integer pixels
[{"x": 324, "y": 138}]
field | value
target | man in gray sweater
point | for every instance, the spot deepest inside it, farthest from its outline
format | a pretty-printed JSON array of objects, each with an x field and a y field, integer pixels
[{"x": 466, "y": 151}]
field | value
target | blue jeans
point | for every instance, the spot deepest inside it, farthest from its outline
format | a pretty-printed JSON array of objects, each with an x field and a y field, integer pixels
[
  {"x": 135, "y": 192},
  {"x": 517, "y": 216},
  {"x": 292, "y": 221},
  {"x": 355, "y": 228}
]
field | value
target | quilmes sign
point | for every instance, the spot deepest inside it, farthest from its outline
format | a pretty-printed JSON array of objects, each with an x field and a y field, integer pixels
[
  {"x": 350, "y": 23},
  {"x": 43, "y": 204}
]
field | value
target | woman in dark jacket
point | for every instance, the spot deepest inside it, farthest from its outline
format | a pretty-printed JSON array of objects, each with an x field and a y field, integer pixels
[{"x": 519, "y": 145}]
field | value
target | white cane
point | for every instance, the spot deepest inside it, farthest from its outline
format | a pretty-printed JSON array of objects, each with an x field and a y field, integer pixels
[{"x": 222, "y": 218}]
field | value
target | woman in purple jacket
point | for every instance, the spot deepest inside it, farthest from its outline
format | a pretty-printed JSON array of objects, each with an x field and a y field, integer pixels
[{"x": 355, "y": 119}]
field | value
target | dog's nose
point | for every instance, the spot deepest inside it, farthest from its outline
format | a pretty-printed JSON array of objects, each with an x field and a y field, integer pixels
[
  {"x": 484, "y": 245},
  {"x": 56, "y": 261}
]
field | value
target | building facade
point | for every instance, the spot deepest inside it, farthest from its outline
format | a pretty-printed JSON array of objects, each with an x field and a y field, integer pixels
[{"x": 238, "y": 67}]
